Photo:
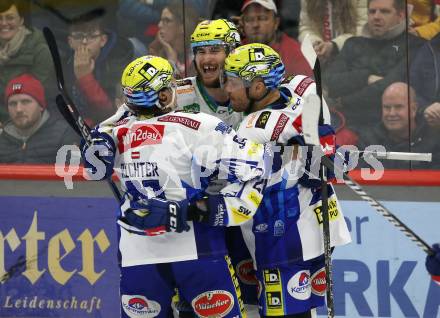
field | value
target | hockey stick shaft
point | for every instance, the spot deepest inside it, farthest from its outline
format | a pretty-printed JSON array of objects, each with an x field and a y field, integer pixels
[
  {"x": 69, "y": 111},
  {"x": 380, "y": 208},
  {"x": 324, "y": 196}
]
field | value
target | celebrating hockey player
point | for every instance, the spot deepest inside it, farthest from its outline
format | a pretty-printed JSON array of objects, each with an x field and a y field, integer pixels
[
  {"x": 211, "y": 42},
  {"x": 285, "y": 236},
  {"x": 160, "y": 153}
]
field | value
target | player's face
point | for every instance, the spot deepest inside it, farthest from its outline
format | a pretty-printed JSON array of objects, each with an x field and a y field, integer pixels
[
  {"x": 383, "y": 16},
  {"x": 24, "y": 110},
  {"x": 259, "y": 24},
  {"x": 209, "y": 62},
  {"x": 10, "y": 22},
  {"x": 236, "y": 90}
]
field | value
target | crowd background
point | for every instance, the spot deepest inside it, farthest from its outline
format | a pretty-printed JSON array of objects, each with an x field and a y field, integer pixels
[{"x": 380, "y": 63}]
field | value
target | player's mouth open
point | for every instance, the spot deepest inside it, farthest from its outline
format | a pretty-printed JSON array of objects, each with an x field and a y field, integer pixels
[{"x": 209, "y": 69}]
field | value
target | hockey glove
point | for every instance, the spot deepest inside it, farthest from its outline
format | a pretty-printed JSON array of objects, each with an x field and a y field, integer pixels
[
  {"x": 433, "y": 263},
  {"x": 99, "y": 156},
  {"x": 157, "y": 216},
  {"x": 210, "y": 210}
]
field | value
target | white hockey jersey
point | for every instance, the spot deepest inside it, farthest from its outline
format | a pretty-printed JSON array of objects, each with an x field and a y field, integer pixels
[
  {"x": 192, "y": 96},
  {"x": 287, "y": 226},
  {"x": 174, "y": 156}
]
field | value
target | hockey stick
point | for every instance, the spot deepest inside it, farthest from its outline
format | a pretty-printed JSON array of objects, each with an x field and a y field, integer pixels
[
  {"x": 310, "y": 130},
  {"x": 324, "y": 200},
  {"x": 67, "y": 107}
]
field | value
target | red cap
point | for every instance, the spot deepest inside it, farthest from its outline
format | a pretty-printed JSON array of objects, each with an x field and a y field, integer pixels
[
  {"x": 26, "y": 84},
  {"x": 268, "y": 4}
]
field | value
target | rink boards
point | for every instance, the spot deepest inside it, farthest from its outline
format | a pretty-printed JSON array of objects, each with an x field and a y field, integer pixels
[{"x": 58, "y": 254}]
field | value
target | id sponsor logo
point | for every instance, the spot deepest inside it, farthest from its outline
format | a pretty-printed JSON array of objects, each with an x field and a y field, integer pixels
[
  {"x": 299, "y": 285},
  {"x": 216, "y": 303},
  {"x": 138, "y": 306},
  {"x": 139, "y": 135},
  {"x": 273, "y": 300},
  {"x": 271, "y": 277},
  {"x": 318, "y": 282}
]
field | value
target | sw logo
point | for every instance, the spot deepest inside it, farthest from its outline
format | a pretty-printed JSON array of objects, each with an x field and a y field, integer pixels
[
  {"x": 273, "y": 300},
  {"x": 271, "y": 276}
]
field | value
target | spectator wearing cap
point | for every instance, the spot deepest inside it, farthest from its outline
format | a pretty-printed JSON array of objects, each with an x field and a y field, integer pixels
[
  {"x": 260, "y": 22},
  {"x": 32, "y": 135},
  {"x": 22, "y": 49}
]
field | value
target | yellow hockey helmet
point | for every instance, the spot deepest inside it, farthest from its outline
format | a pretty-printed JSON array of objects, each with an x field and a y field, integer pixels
[
  {"x": 255, "y": 60},
  {"x": 143, "y": 78},
  {"x": 215, "y": 32}
]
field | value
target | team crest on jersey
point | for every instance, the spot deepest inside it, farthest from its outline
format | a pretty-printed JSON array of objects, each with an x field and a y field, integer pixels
[
  {"x": 299, "y": 285},
  {"x": 262, "y": 120},
  {"x": 138, "y": 306},
  {"x": 223, "y": 128},
  {"x": 215, "y": 303}
]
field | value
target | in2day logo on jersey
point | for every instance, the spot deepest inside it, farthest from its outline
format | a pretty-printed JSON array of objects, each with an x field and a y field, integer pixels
[
  {"x": 318, "y": 282},
  {"x": 215, "y": 303},
  {"x": 299, "y": 285},
  {"x": 138, "y": 306},
  {"x": 246, "y": 273},
  {"x": 139, "y": 135}
]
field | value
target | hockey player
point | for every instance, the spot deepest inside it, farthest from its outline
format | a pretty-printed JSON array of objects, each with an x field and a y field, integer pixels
[
  {"x": 285, "y": 236},
  {"x": 433, "y": 263},
  {"x": 161, "y": 153},
  {"x": 211, "y": 42}
]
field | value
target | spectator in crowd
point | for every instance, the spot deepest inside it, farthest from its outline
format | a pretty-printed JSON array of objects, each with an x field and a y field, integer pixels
[
  {"x": 425, "y": 78},
  {"x": 97, "y": 59},
  {"x": 32, "y": 135},
  {"x": 424, "y": 21},
  {"x": 260, "y": 22},
  {"x": 22, "y": 49},
  {"x": 401, "y": 130},
  {"x": 330, "y": 23},
  {"x": 369, "y": 63},
  {"x": 172, "y": 39},
  {"x": 135, "y": 16}
]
